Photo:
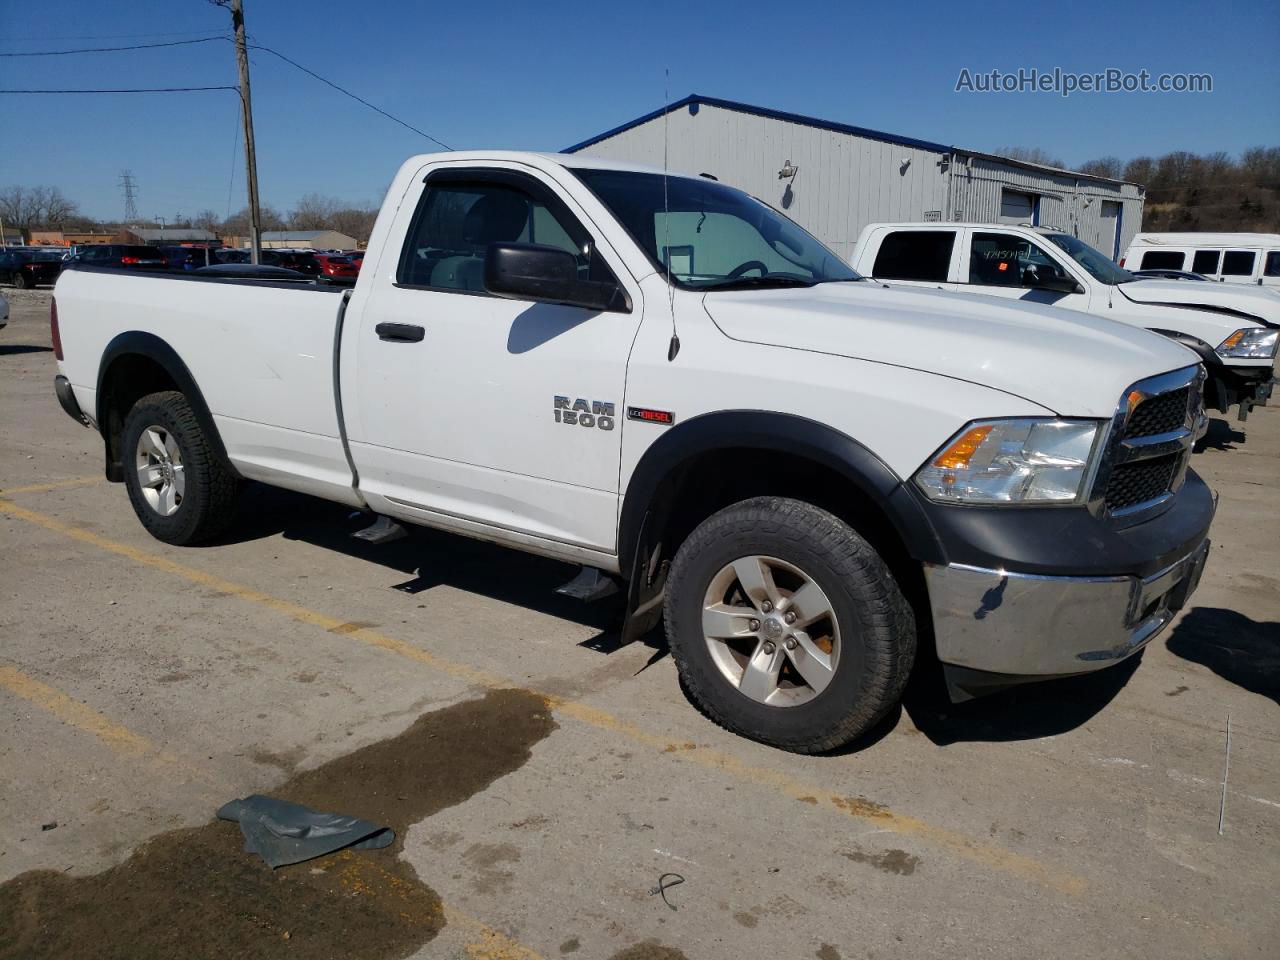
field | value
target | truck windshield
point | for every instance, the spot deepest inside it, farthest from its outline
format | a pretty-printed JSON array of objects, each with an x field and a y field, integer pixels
[
  {"x": 708, "y": 236},
  {"x": 1100, "y": 267}
]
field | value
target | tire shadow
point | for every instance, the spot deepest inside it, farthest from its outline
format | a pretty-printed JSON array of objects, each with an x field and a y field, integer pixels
[
  {"x": 1221, "y": 435},
  {"x": 18, "y": 349},
  {"x": 1242, "y": 651}
]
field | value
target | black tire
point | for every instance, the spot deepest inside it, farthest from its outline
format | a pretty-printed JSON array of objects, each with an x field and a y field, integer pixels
[
  {"x": 876, "y": 625},
  {"x": 209, "y": 501},
  {"x": 21, "y": 282}
]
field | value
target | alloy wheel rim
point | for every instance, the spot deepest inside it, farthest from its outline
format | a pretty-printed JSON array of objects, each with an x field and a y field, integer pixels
[
  {"x": 771, "y": 631},
  {"x": 161, "y": 474}
]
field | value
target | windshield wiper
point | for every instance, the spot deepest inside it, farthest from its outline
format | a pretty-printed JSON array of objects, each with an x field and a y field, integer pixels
[{"x": 773, "y": 280}]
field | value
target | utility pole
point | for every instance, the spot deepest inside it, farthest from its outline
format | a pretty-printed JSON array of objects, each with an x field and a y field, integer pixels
[{"x": 246, "y": 111}]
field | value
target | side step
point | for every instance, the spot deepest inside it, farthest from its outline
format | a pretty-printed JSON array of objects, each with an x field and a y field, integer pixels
[{"x": 382, "y": 530}]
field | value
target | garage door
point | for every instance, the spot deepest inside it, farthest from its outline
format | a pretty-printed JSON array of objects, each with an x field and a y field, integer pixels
[{"x": 1017, "y": 207}]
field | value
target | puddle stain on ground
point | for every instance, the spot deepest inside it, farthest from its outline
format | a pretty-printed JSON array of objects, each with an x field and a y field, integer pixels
[
  {"x": 828, "y": 952},
  {"x": 649, "y": 950},
  {"x": 890, "y": 861},
  {"x": 197, "y": 893}
]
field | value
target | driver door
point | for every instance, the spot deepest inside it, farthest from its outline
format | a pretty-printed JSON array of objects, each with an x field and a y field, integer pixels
[
  {"x": 1008, "y": 265},
  {"x": 472, "y": 410}
]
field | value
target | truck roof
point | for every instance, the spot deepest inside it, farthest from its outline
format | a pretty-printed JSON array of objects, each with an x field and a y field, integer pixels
[
  {"x": 942, "y": 224},
  {"x": 568, "y": 160}
]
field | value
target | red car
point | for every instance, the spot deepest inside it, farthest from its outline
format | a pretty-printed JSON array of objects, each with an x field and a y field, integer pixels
[{"x": 337, "y": 269}]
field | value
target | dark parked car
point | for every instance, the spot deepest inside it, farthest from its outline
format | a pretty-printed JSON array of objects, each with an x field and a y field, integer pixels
[
  {"x": 187, "y": 258},
  {"x": 27, "y": 268},
  {"x": 124, "y": 255},
  {"x": 293, "y": 260}
]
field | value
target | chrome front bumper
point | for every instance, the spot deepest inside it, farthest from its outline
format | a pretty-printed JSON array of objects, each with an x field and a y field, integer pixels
[{"x": 1028, "y": 625}]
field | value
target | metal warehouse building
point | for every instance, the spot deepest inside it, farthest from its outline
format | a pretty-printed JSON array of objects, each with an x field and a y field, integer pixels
[{"x": 834, "y": 179}]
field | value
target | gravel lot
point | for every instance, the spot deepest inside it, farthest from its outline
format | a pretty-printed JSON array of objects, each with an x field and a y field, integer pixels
[{"x": 541, "y": 778}]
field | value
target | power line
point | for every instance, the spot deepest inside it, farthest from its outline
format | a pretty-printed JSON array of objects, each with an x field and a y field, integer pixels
[
  {"x": 136, "y": 46},
  {"x": 407, "y": 126},
  {"x": 107, "y": 36},
  {"x": 133, "y": 90}
]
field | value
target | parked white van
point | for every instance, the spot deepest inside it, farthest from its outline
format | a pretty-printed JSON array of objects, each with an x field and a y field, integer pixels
[
  {"x": 1233, "y": 257},
  {"x": 1235, "y": 329}
]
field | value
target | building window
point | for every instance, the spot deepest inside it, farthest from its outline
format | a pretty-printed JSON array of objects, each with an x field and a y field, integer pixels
[
  {"x": 915, "y": 255},
  {"x": 1163, "y": 260}
]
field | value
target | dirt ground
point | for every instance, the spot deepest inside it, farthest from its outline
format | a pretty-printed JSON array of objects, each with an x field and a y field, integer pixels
[{"x": 542, "y": 778}]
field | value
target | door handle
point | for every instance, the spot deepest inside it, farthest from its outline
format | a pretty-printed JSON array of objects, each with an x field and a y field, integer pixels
[{"x": 399, "y": 332}]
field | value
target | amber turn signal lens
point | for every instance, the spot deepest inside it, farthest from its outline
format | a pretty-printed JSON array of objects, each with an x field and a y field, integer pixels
[
  {"x": 1234, "y": 339},
  {"x": 957, "y": 455}
]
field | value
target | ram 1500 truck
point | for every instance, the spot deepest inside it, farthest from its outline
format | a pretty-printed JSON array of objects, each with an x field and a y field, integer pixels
[
  {"x": 1234, "y": 329},
  {"x": 810, "y": 475}
]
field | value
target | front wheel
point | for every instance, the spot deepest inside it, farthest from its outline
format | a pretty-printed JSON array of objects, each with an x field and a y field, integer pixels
[
  {"x": 786, "y": 625},
  {"x": 180, "y": 490}
]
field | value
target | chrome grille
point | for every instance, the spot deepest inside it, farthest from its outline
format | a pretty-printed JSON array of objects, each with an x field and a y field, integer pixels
[
  {"x": 1146, "y": 456},
  {"x": 1160, "y": 414},
  {"x": 1141, "y": 481}
]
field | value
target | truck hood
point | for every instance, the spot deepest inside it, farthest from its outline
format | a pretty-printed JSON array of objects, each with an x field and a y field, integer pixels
[
  {"x": 1258, "y": 303},
  {"x": 1070, "y": 362}
]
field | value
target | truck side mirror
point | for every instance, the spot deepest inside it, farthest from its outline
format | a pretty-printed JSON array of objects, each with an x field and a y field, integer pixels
[
  {"x": 530, "y": 271},
  {"x": 1043, "y": 280}
]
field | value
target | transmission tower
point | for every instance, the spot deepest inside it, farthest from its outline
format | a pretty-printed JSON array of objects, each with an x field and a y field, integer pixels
[{"x": 128, "y": 184}]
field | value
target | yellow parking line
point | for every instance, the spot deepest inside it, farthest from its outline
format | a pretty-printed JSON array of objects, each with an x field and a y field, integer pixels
[
  {"x": 54, "y": 485},
  {"x": 970, "y": 848},
  {"x": 119, "y": 739}
]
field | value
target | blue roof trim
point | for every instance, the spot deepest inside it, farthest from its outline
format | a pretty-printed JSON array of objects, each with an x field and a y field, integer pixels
[{"x": 764, "y": 112}]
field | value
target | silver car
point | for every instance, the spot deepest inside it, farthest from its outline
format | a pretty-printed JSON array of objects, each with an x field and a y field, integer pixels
[{"x": 4, "y": 312}]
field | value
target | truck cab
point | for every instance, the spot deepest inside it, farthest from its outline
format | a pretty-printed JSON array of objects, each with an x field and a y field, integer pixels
[{"x": 1235, "y": 330}]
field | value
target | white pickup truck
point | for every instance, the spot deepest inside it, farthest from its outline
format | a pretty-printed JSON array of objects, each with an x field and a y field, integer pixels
[
  {"x": 1234, "y": 329},
  {"x": 811, "y": 475}
]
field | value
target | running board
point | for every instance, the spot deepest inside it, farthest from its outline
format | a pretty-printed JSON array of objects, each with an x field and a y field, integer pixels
[{"x": 382, "y": 530}]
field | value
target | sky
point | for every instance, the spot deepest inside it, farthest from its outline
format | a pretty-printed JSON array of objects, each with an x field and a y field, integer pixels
[{"x": 544, "y": 75}]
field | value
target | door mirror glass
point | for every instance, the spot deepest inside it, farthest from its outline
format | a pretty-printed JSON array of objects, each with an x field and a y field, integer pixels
[{"x": 530, "y": 271}]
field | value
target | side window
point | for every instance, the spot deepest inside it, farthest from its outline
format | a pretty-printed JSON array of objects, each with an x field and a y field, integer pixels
[
  {"x": 1005, "y": 260},
  {"x": 456, "y": 221},
  {"x": 1205, "y": 261},
  {"x": 1163, "y": 260},
  {"x": 915, "y": 255},
  {"x": 1238, "y": 263},
  {"x": 1272, "y": 268}
]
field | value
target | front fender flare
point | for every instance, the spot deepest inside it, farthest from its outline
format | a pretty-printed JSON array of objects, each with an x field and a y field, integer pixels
[{"x": 785, "y": 433}]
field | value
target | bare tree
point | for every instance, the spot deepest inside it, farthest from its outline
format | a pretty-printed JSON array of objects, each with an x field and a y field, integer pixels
[
  {"x": 1030, "y": 155},
  {"x": 313, "y": 212},
  {"x": 41, "y": 206},
  {"x": 238, "y": 223},
  {"x": 1112, "y": 167},
  {"x": 207, "y": 220}
]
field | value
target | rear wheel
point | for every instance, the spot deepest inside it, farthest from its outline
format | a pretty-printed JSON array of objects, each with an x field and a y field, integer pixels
[
  {"x": 180, "y": 490},
  {"x": 22, "y": 281},
  {"x": 787, "y": 626}
]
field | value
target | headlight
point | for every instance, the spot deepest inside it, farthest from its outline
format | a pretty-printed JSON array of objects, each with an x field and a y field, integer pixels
[
  {"x": 1012, "y": 461},
  {"x": 1251, "y": 343}
]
